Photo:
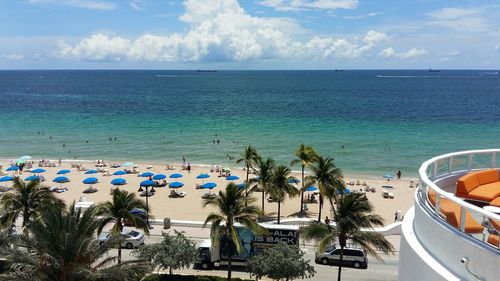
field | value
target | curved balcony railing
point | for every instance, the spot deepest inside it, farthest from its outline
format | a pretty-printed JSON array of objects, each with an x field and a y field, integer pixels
[{"x": 445, "y": 170}]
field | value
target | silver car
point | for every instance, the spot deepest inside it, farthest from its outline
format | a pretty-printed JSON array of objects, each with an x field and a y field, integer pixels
[
  {"x": 352, "y": 256},
  {"x": 130, "y": 238}
]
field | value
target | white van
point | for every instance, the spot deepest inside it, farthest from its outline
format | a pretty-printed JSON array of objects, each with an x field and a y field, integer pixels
[{"x": 353, "y": 256}]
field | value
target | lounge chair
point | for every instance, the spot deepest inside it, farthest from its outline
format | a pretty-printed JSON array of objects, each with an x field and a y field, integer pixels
[
  {"x": 208, "y": 195},
  {"x": 176, "y": 194},
  {"x": 364, "y": 183},
  {"x": 90, "y": 190},
  {"x": 358, "y": 182},
  {"x": 149, "y": 194}
]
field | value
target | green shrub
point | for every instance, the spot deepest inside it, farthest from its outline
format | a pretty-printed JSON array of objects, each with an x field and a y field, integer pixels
[{"x": 167, "y": 277}]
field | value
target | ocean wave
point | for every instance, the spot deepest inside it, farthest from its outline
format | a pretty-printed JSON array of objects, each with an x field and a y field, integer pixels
[{"x": 427, "y": 76}]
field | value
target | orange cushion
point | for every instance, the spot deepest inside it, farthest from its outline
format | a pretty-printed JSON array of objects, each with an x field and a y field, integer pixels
[
  {"x": 493, "y": 239},
  {"x": 495, "y": 224},
  {"x": 495, "y": 202},
  {"x": 487, "y": 176},
  {"x": 466, "y": 184},
  {"x": 487, "y": 192}
]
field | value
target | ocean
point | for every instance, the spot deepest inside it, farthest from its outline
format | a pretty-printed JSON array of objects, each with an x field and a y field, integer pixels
[{"x": 372, "y": 122}]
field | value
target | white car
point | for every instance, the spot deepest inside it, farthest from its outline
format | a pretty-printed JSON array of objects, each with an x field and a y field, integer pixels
[{"x": 130, "y": 238}]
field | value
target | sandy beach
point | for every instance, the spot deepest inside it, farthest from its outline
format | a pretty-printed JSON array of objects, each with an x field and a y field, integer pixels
[{"x": 190, "y": 207}]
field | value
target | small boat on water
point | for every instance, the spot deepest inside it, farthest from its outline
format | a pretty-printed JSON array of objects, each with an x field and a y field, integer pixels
[
  {"x": 206, "y": 70},
  {"x": 433, "y": 70},
  {"x": 338, "y": 70}
]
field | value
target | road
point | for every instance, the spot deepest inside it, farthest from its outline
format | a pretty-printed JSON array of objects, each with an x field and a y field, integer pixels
[{"x": 377, "y": 270}]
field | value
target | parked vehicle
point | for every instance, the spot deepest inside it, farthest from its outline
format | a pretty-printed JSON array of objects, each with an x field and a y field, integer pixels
[
  {"x": 130, "y": 238},
  {"x": 353, "y": 256},
  {"x": 209, "y": 256}
]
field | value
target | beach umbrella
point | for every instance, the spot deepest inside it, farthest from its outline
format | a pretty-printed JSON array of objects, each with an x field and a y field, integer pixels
[
  {"x": 293, "y": 180},
  {"x": 176, "y": 184},
  {"x": 203, "y": 176},
  {"x": 388, "y": 176},
  {"x": 38, "y": 171},
  {"x": 159, "y": 177},
  {"x": 208, "y": 185},
  {"x": 128, "y": 164},
  {"x": 227, "y": 169},
  {"x": 119, "y": 173},
  {"x": 147, "y": 183},
  {"x": 90, "y": 180},
  {"x": 175, "y": 176},
  {"x": 147, "y": 174},
  {"x": 232, "y": 178},
  {"x": 241, "y": 186},
  {"x": 62, "y": 172},
  {"x": 137, "y": 211},
  {"x": 91, "y": 172},
  {"x": 26, "y": 157},
  {"x": 20, "y": 162},
  {"x": 32, "y": 178},
  {"x": 60, "y": 179},
  {"x": 345, "y": 191},
  {"x": 311, "y": 188},
  {"x": 6, "y": 178},
  {"x": 118, "y": 181},
  {"x": 12, "y": 168}
]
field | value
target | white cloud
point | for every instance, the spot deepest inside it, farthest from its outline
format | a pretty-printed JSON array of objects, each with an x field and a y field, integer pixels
[
  {"x": 136, "y": 5},
  {"x": 461, "y": 20},
  {"x": 372, "y": 14},
  {"x": 220, "y": 30},
  {"x": 411, "y": 53},
  {"x": 13, "y": 57},
  {"x": 298, "y": 5},
  {"x": 84, "y": 4}
]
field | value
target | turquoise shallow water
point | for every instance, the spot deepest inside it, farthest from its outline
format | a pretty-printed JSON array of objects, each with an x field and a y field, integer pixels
[{"x": 386, "y": 120}]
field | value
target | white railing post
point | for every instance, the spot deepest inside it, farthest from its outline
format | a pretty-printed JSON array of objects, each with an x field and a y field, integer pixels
[
  {"x": 493, "y": 160},
  {"x": 463, "y": 212},
  {"x": 450, "y": 165},
  {"x": 469, "y": 164},
  {"x": 434, "y": 172}
]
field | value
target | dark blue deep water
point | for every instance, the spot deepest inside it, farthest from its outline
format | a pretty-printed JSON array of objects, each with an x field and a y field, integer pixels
[{"x": 386, "y": 120}]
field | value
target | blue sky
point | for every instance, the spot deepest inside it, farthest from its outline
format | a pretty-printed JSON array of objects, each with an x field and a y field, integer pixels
[{"x": 249, "y": 34}]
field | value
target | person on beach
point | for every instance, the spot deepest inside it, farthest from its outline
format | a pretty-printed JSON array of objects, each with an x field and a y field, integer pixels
[
  {"x": 399, "y": 175},
  {"x": 327, "y": 220},
  {"x": 189, "y": 167}
]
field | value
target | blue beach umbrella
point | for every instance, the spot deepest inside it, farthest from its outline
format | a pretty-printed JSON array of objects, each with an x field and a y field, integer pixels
[
  {"x": 202, "y": 176},
  {"x": 26, "y": 157},
  {"x": 158, "y": 177},
  {"x": 311, "y": 188},
  {"x": 147, "y": 174},
  {"x": 232, "y": 178},
  {"x": 90, "y": 180},
  {"x": 32, "y": 178},
  {"x": 60, "y": 179},
  {"x": 293, "y": 180},
  {"x": 12, "y": 168},
  {"x": 208, "y": 185},
  {"x": 137, "y": 211},
  {"x": 345, "y": 191},
  {"x": 62, "y": 172},
  {"x": 91, "y": 172},
  {"x": 175, "y": 176},
  {"x": 118, "y": 181},
  {"x": 119, "y": 173},
  {"x": 6, "y": 178},
  {"x": 147, "y": 183},
  {"x": 176, "y": 184},
  {"x": 38, "y": 171}
]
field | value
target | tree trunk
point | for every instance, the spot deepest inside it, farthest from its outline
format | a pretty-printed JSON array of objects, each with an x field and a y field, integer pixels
[
  {"x": 339, "y": 276},
  {"x": 279, "y": 211},
  {"x": 263, "y": 199},
  {"x": 26, "y": 219},
  {"x": 229, "y": 260},
  {"x": 302, "y": 192},
  {"x": 246, "y": 187},
  {"x": 320, "y": 207},
  {"x": 119, "y": 250},
  {"x": 171, "y": 271}
]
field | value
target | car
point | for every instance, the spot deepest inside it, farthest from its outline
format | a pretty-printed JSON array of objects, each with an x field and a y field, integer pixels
[
  {"x": 130, "y": 238},
  {"x": 353, "y": 256}
]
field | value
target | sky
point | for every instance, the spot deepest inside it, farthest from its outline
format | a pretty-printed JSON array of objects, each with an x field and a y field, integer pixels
[{"x": 249, "y": 34}]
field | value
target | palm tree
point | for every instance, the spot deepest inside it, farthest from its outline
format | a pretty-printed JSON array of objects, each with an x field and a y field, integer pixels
[
  {"x": 249, "y": 157},
  {"x": 352, "y": 213},
  {"x": 62, "y": 246},
  {"x": 119, "y": 210},
  {"x": 27, "y": 200},
  {"x": 306, "y": 156},
  {"x": 328, "y": 178},
  {"x": 263, "y": 171},
  {"x": 281, "y": 187},
  {"x": 232, "y": 207}
]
